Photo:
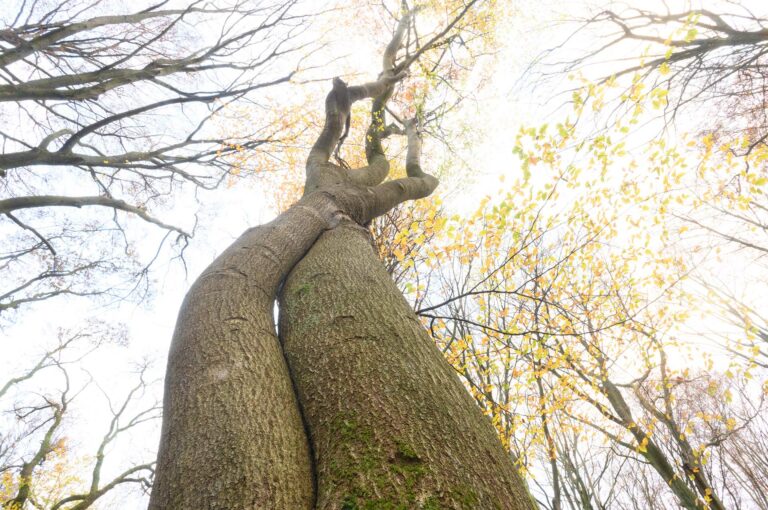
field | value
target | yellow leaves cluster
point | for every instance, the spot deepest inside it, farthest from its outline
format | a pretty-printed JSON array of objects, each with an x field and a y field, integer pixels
[
  {"x": 57, "y": 477},
  {"x": 587, "y": 228}
]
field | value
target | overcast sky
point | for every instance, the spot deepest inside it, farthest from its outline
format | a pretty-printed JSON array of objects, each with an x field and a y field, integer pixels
[{"x": 499, "y": 108}]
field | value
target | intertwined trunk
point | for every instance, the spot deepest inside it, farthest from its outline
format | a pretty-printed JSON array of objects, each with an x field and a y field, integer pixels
[
  {"x": 232, "y": 434},
  {"x": 390, "y": 423},
  {"x": 353, "y": 407}
]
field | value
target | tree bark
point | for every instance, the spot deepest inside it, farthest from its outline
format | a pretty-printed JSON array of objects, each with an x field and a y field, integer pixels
[
  {"x": 390, "y": 424},
  {"x": 232, "y": 434},
  {"x": 365, "y": 413}
]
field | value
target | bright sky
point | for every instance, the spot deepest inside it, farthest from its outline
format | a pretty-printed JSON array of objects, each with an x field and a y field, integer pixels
[{"x": 498, "y": 109}]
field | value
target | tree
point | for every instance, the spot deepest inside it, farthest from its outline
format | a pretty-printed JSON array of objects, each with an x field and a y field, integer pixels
[
  {"x": 555, "y": 328},
  {"x": 89, "y": 86},
  {"x": 40, "y": 467},
  {"x": 712, "y": 58},
  {"x": 351, "y": 406}
]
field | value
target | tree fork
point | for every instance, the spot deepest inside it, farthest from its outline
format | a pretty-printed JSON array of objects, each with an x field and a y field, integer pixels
[{"x": 233, "y": 435}]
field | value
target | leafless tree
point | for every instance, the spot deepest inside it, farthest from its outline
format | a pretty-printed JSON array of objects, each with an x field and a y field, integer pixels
[
  {"x": 113, "y": 108},
  {"x": 34, "y": 430}
]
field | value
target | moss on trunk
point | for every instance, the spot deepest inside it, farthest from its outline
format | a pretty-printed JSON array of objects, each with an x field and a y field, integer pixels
[{"x": 391, "y": 425}]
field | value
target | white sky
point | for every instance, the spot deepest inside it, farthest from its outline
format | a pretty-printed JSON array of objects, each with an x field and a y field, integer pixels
[{"x": 501, "y": 106}]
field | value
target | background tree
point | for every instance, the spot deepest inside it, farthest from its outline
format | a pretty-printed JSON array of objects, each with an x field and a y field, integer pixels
[
  {"x": 593, "y": 313},
  {"x": 710, "y": 57},
  {"x": 710, "y": 60},
  {"x": 85, "y": 91},
  {"x": 563, "y": 332},
  {"x": 40, "y": 466}
]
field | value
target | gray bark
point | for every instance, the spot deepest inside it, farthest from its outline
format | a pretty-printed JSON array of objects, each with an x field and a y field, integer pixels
[
  {"x": 366, "y": 413},
  {"x": 390, "y": 423}
]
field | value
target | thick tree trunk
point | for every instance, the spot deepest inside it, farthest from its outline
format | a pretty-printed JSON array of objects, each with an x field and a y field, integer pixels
[
  {"x": 232, "y": 434},
  {"x": 386, "y": 423},
  {"x": 390, "y": 423}
]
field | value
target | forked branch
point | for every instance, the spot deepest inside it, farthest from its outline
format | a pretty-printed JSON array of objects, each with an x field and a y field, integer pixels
[{"x": 337, "y": 107}]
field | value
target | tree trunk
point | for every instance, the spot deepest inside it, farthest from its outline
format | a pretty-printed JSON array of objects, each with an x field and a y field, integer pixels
[
  {"x": 232, "y": 434},
  {"x": 390, "y": 423},
  {"x": 386, "y": 423}
]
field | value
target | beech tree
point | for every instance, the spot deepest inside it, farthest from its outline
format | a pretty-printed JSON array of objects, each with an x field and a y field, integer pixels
[
  {"x": 348, "y": 404},
  {"x": 41, "y": 465},
  {"x": 86, "y": 88}
]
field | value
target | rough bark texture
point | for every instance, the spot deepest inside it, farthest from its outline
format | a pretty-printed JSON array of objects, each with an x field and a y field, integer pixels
[
  {"x": 232, "y": 434},
  {"x": 390, "y": 423},
  {"x": 387, "y": 424}
]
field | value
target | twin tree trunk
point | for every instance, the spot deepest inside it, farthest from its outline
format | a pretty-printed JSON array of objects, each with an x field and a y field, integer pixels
[
  {"x": 390, "y": 424},
  {"x": 352, "y": 406}
]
